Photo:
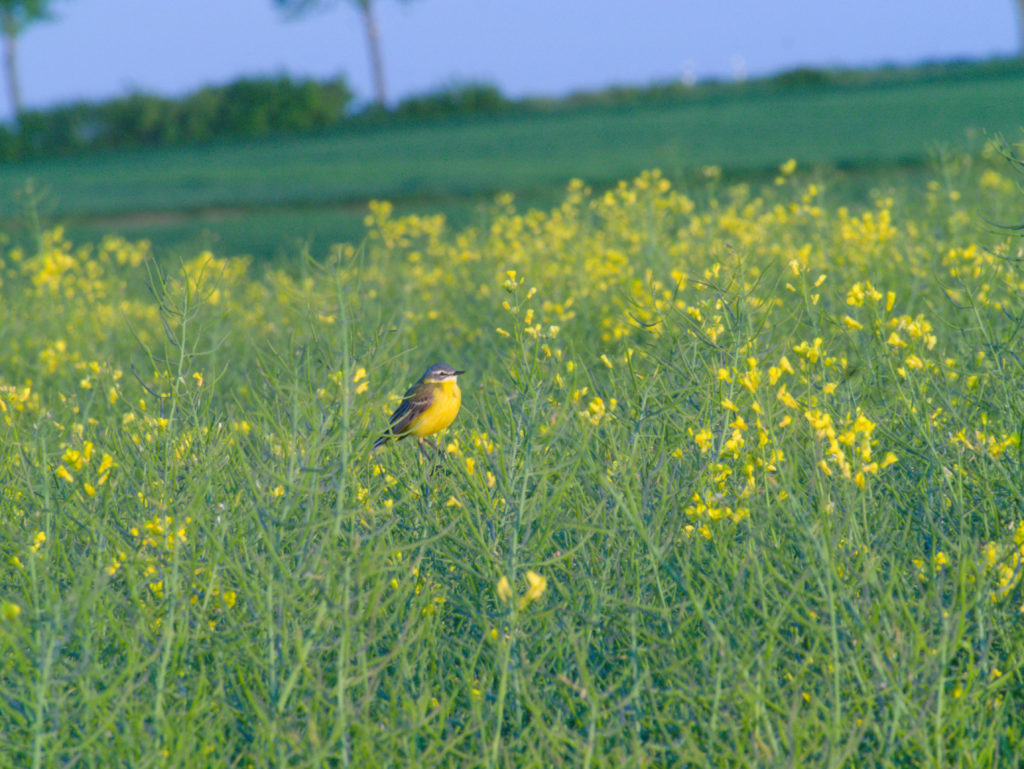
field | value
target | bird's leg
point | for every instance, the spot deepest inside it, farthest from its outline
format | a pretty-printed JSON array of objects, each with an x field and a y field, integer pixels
[
  {"x": 437, "y": 458},
  {"x": 423, "y": 450}
]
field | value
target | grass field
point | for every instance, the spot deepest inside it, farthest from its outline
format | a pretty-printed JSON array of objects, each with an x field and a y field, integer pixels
[
  {"x": 737, "y": 482},
  {"x": 262, "y": 197}
]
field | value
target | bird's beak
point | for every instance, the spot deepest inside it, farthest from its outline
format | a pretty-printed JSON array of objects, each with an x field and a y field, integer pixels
[{"x": 459, "y": 372}]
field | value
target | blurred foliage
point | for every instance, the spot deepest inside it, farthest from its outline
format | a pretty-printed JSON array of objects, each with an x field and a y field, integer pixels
[
  {"x": 468, "y": 98},
  {"x": 244, "y": 108}
]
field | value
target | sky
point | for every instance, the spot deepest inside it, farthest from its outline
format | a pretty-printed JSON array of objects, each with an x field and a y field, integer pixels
[{"x": 98, "y": 49}]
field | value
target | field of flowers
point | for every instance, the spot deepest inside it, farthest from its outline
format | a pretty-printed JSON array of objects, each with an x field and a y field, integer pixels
[{"x": 737, "y": 482}]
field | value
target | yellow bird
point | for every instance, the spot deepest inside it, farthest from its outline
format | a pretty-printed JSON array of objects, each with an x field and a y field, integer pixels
[{"x": 427, "y": 407}]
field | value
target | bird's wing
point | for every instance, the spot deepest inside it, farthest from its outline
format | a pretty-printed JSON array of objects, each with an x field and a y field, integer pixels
[{"x": 413, "y": 404}]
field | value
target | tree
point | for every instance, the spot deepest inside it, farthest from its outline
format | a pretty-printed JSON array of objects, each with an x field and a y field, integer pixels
[
  {"x": 296, "y": 8},
  {"x": 15, "y": 15}
]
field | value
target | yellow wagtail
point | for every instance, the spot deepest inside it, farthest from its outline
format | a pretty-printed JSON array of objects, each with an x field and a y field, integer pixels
[{"x": 427, "y": 407}]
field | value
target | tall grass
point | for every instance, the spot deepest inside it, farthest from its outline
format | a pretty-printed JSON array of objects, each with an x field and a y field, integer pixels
[{"x": 736, "y": 481}]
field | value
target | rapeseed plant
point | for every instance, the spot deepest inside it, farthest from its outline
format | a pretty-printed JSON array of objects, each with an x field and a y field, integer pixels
[{"x": 738, "y": 481}]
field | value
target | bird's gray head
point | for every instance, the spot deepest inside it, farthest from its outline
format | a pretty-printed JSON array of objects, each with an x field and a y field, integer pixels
[{"x": 441, "y": 372}]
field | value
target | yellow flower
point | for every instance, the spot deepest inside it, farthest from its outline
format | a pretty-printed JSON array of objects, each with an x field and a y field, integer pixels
[
  {"x": 538, "y": 585},
  {"x": 359, "y": 379},
  {"x": 784, "y": 396},
  {"x": 703, "y": 440},
  {"x": 106, "y": 463},
  {"x": 751, "y": 379},
  {"x": 504, "y": 589},
  {"x": 596, "y": 409},
  {"x": 852, "y": 323}
]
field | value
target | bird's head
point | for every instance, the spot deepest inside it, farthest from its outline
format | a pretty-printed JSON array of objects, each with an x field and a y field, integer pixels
[{"x": 441, "y": 372}]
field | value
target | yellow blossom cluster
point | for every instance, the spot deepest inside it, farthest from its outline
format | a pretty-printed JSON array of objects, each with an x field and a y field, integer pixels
[
  {"x": 1005, "y": 560},
  {"x": 746, "y": 342},
  {"x": 536, "y": 586},
  {"x": 847, "y": 446}
]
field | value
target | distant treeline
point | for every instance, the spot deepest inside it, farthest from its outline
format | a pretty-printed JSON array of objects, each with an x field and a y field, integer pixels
[
  {"x": 248, "y": 107},
  {"x": 280, "y": 105}
]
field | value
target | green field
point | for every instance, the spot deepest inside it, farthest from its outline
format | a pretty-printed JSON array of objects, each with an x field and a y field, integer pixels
[
  {"x": 263, "y": 196},
  {"x": 738, "y": 478}
]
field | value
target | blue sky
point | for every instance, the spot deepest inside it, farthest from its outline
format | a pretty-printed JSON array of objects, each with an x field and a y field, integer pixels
[{"x": 102, "y": 48}]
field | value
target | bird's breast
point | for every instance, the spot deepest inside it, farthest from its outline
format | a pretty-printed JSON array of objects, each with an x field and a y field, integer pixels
[
  {"x": 442, "y": 410},
  {"x": 454, "y": 393}
]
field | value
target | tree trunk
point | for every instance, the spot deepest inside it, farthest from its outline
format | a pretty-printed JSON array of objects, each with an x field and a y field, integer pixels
[
  {"x": 10, "y": 33},
  {"x": 376, "y": 61},
  {"x": 1020, "y": 25}
]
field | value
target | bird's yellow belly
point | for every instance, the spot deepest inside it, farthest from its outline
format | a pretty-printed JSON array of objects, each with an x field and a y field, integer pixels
[{"x": 440, "y": 413}]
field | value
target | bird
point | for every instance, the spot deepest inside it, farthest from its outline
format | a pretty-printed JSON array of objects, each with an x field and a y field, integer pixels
[{"x": 427, "y": 407}]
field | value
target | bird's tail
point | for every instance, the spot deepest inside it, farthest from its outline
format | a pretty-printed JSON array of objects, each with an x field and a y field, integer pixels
[{"x": 381, "y": 442}]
